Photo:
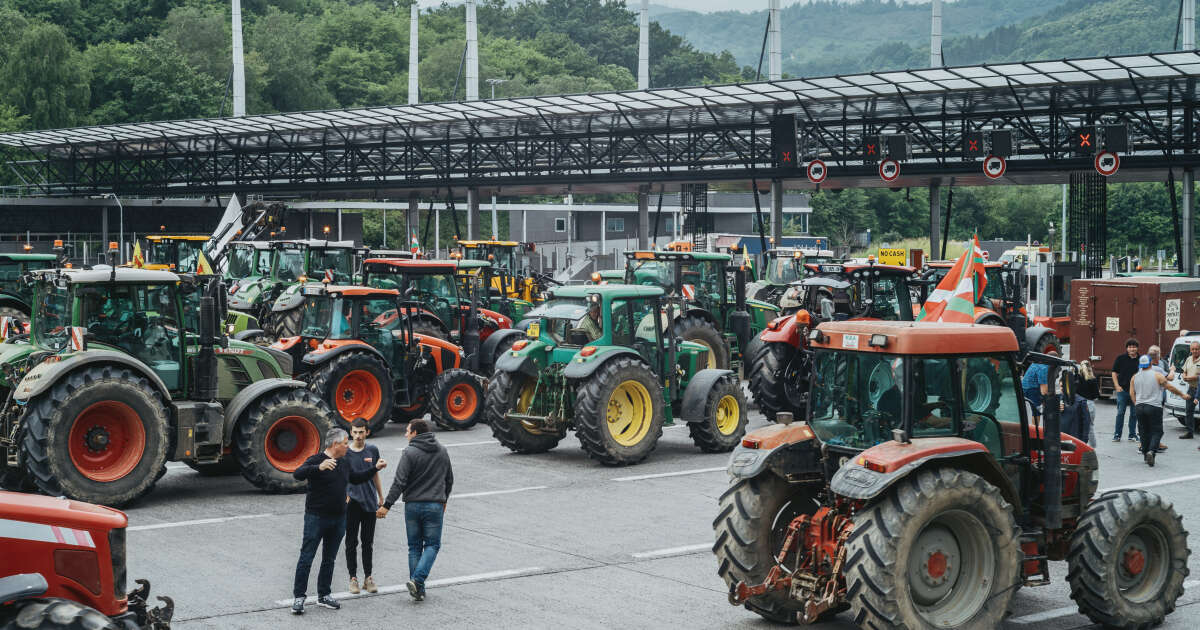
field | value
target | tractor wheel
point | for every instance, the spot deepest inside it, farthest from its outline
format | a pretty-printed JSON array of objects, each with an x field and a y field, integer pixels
[
  {"x": 57, "y": 614},
  {"x": 276, "y": 434},
  {"x": 778, "y": 378},
  {"x": 983, "y": 387},
  {"x": 619, "y": 412},
  {"x": 501, "y": 348},
  {"x": 1127, "y": 560},
  {"x": 753, "y": 347},
  {"x": 458, "y": 397},
  {"x": 228, "y": 465},
  {"x": 750, "y": 529},
  {"x": 724, "y": 421},
  {"x": 1046, "y": 343},
  {"x": 402, "y": 415},
  {"x": 507, "y": 392},
  {"x": 99, "y": 435},
  {"x": 939, "y": 551},
  {"x": 355, "y": 385},
  {"x": 282, "y": 324},
  {"x": 697, "y": 329}
]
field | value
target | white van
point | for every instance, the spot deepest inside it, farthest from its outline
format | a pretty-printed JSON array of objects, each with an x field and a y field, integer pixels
[{"x": 1180, "y": 350}]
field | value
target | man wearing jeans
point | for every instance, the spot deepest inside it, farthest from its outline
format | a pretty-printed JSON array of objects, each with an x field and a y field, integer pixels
[
  {"x": 1123, "y": 370},
  {"x": 424, "y": 478},
  {"x": 1191, "y": 376}
]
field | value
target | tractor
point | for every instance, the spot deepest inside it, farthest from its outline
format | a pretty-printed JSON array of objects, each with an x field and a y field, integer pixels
[
  {"x": 784, "y": 265},
  {"x": 358, "y": 351},
  {"x": 510, "y": 265},
  {"x": 894, "y": 500},
  {"x": 779, "y": 360},
  {"x": 180, "y": 254},
  {"x": 292, "y": 264},
  {"x": 1002, "y": 302},
  {"x": 705, "y": 281},
  {"x": 15, "y": 296},
  {"x": 127, "y": 369},
  {"x": 602, "y": 360},
  {"x": 492, "y": 277},
  {"x": 64, "y": 567}
]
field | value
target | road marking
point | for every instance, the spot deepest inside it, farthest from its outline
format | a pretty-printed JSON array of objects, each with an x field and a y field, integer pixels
[
  {"x": 454, "y": 581},
  {"x": 679, "y": 473},
  {"x": 1151, "y": 484},
  {"x": 673, "y": 551},
  {"x": 1055, "y": 613},
  {"x": 469, "y": 443},
  {"x": 495, "y": 492},
  {"x": 203, "y": 521}
]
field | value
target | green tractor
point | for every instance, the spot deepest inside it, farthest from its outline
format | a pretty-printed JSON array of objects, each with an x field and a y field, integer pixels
[
  {"x": 127, "y": 369},
  {"x": 705, "y": 281},
  {"x": 15, "y": 296},
  {"x": 601, "y": 360},
  {"x": 784, "y": 265},
  {"x": 493, "y": 278},
  {"x": 274, "y": 297}
]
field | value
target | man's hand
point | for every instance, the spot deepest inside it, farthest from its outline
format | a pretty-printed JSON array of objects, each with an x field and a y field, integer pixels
[
  {"x": 328, "y": 464},
  {"x": 381, "y": 464},
  {"x": 381, "y": 512}
]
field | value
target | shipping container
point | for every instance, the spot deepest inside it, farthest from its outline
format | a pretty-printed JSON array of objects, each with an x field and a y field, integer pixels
[{"x": 1105, "y": 312}]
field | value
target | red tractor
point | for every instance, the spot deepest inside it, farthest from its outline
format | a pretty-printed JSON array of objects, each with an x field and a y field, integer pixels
[
  {"x": 897, "y": 502},
  {"x": 64, "y": 567}
]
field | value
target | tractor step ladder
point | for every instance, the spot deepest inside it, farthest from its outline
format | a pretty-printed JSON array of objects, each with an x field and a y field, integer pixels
[{"x": 1042, "y": 577}]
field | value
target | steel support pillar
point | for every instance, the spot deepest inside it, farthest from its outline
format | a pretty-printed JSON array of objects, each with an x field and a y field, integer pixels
[
  {"x": 777, "y": 212},
  {"x": 103, "y": 230},
  {"x": 643, "y": 224},
  {"x": 935, "y": 220},
  {"x": 603, "y": 232},
  {"x": 339, "y": 220},
  {"x": 437, "y": 233},
  {"x": 472, "y": 214},
  {"x": 1186, "y": 228},
  {"x": 412, "y": 221}
]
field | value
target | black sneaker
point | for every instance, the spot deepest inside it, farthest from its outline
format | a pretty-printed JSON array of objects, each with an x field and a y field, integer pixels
[
  {"x": 327, "y": 601},
  {"x": 1150, "y": 458},
  {"x": 298, "y": 606},
  {"x": 413, "y": 589},
  {"x": 1134, "y": 438},
  {"x": 421, "y": 594},
  {"x": 1187, "y": 436}
]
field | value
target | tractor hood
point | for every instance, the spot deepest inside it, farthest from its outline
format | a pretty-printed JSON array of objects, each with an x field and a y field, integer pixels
[
  {"x": 59, "y": 512},
  {"x": 292, "y": 297},
  {"x": 759, "y": 304},
  {"x": 248, "y": 294}
]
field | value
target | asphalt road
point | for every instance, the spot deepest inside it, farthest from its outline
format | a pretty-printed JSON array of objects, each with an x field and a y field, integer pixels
[{"x": 544, "y": 541}]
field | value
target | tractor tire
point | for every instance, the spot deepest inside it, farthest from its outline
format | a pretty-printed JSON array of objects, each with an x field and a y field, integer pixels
[
  {"x": 724, "y": 421},
  {"x": 228, "y": 465},
  {"x": 753, "y": 347},
  {"x": 982, "y": 387},
  {"x": 57, "y": 614},
  {"x": 697, "y": 329},
  {"x": 355, "y": 385},
  {"x": 619, "y": 412},
  {"x": 458, "y": 399},
  {"x": 501, "y": 348},
  {"x": 16, "y": 314},
  {"x": 775, "y": 383},
  {"x": 282, "y": 324},
  {"x": 914, "y": 556},
  {"x": 506, "y": 392},
  {"x": 1127, "y": 560},
  {"x": 1046, "y": 343},
  {"x": 750, "y": 529},
  {"x": 276, "y": 434},
  {"x": 120, "y": 413},
  {"x": 402, "y": 415}
]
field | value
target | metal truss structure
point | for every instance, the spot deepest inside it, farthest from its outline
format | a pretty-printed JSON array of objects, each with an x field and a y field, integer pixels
[{"x": 936, "y": 123}]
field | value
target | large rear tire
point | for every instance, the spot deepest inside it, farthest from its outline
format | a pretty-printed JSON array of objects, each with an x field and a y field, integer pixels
[
  {"x": 1128, "y": 559},
  {"x": 777, "y": 378},
  {"x": 458, "y": 399},
  {"x": 507, "y": 392},
  {"x": 57, "y": 614},
  {"x": 355, "y": 384},
  {"x": 699, "y": 330},
  {"x": 99, "y": 435},
  {"x": 1046, "y": 343},
  {"x": 724, "y": 421},
  {"x": 276, "y": 434},
  {"x": 282, "y": 324},
  {"x": 750, "y": 529},
  {"x": 619, "y": 412},
  {"x": 916, "y": 557}
]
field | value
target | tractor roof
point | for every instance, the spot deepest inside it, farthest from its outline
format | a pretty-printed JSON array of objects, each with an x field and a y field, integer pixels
[
  {"x": 946, "y": 264},
  {"x": 925, "y": 338},
  {"x": 850, "y": 267},
  {"x": 658, "y": 254},
  {"x": 415, "y": 266},
  {"x": 172, "y": 237},
  {"x": 473, "y": 264},
  {"x": 357, "y": 291},
  {"x": 27, "y": 257},
  {"x": 55, "y": 511},
  {"x": 391, "y": 253},
  {"x": 317, "y": 244},
  {"x": 254, "y": 244},
  {"x": 482, "y": 243},
  {"x": 608, "y": 290},
  {"x": 104, "y": 273}
]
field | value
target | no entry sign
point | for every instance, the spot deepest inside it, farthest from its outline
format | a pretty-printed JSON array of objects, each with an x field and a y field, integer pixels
[
  {"x": 994, "y": 166},
  {"x": 1107, "y": 163},
  {"x": 817, "y": 171},
  {"x": 889, "y": 170}
]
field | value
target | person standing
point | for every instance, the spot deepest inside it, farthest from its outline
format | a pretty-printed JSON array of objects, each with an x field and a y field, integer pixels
[
  {"x": 1146, "y": 394},
  {"x": 362, "y": 501},
  {"x": 424, "y": 478},
  {"x": 1191, "y": 376},
  {"x": 1159, "y": 365},
  {"x": 327, "y": 475},
  {"x": 1035, "y": 385},
  {"x": 1123, "y": 370}
]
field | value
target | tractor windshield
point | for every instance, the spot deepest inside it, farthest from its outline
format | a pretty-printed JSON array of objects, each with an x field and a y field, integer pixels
[
  {"x": 290, "y": 264},
  {"x": 241, "y": 263},
  {"x": 857, "y": 397},
  {"x": 52, "y": 317},
  {"x": 784, "y": 270},
  {"x": 322, "y": 318},
  {"x": 340, "y": 261},
  {"x": 434, "y": 286},
  {"x": 651, "y": 272},
  {"x": 559, "y": 316},
  {"x": 188, "y": 253}
]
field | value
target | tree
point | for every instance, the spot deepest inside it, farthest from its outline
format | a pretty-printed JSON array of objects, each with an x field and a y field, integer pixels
[
  {"x": 147, "y": 80},
  {"x": 44, "y": 79},
  {"x": 290, "y": 79},
  {"x": 840, "y": 214}
]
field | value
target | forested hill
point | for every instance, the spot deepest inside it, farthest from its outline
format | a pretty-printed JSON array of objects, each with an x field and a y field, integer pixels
[
  {"x": 83, "y": 62},
  {"x": 826, "y": 37}
]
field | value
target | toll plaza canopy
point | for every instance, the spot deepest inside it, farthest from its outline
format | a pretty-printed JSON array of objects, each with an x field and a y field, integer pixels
[{"x": 1043, "y": 119}]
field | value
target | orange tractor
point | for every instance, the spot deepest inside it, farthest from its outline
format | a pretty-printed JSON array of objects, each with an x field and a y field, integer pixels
[
  {"x": 896, "y": 501},
  {"x": 63, "y": 566}
]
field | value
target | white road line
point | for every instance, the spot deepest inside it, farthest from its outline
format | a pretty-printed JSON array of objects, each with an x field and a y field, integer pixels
[
  {"x": 1151, "y": 484},
  {"x": 454, "y": 581},
  {"x": 673, "y": 551},
  {"x": 495, "y": 492},
  {"x": 1055, "y": 613},
  {"x": 469, "y": 443},
  {"x": 203, "y": 521},
  {"x": 678, "y": 473}
]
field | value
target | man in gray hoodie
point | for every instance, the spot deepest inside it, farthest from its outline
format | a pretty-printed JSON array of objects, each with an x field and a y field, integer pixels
[{"x": 424, "y": 477}]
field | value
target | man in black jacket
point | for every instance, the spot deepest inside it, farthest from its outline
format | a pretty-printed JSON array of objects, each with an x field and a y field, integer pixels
[
  {"x": 325, "y": 514},
  {"x": 424, "y": 477}
]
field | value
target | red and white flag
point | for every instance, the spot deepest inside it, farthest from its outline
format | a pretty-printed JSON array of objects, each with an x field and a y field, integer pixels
[{"x": 955, "y": 296}]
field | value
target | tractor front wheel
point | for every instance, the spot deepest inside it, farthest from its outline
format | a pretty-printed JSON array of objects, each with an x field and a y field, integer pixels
[
  {"x": 282, "y": 324},
  {"x": 57, "y": 614},
  {"x": 458, "y": 397},
  {"x": 619, "y": 412},
  {"x": 1046, "y": 343},
  {"x": 699, "y": 330},
  {"x": 276, "y": 435},
  {"x": 778, "y": 378},
  {"x": 510, "y": 392},
  {"x": 724, "y": 421},
  {"x": 940, "y": 551},
  {"x": 355, "y": 385},
  {"x": 1128, "y": 559}
]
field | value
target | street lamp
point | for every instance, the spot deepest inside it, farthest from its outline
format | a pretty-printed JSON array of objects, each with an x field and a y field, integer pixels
[{"x": 494, "y": 83}]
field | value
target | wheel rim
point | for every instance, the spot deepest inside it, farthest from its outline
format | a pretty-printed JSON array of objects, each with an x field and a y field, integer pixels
[
  {"x": 979, "y": 392},
  {"x": 525, "y": 396},
  {"x": 290, "y": 441},
  {"x": 629, "y": 413},
  {"x": 711, "y": 363},
  {"x": 1142, "y": 564},
  {"x": 729, "y": 414},
  {"x": 950, "y": 569},
  {"x": 107, "y": 441},
  {"x": 462, "y": 401},
  {"x": 880, "y": 381},
  {"x": 358, "y": 395}
]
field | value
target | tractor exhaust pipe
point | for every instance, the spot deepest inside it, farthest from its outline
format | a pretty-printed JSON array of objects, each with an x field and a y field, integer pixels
[
  {"x": 739, "y": 320},
  {"x": 470, "y": 336},
  {"x": 1052, "y": 451},
  {"x": 206, "y": 361}
]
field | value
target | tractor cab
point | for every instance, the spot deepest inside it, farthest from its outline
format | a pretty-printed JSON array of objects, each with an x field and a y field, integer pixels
[
  {"x": 15, "y": 294},
  {"x": 174, "y": 252},
  {"x": 484, "y": 274},
  {"x": 433, "y": 285},
  {"x": 704, "y": 280},
  {"x": 509, "y": 262},
  {"x": 842, "y": 291},
  {"x": 247, "y": 260}
]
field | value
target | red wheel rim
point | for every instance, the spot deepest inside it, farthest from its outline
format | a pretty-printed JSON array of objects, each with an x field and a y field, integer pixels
[
  {"x": 461, "y": 401},
  {"x": 107, "y": 441},
  {"x": 290, "y": 441},
  {"x": 358, "y": 395}
]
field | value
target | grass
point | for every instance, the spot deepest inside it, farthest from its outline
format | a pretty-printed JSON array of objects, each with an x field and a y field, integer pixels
[{"x": 954, "y": 248}]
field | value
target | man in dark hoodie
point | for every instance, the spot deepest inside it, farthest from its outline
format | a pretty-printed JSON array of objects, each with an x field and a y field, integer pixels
[{"x": 424, "y": 478}]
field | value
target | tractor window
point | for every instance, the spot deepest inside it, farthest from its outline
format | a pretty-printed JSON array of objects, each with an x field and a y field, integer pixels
[
  {"x": 52, "y": 317},
  {"x": 649, "y": 272},
  {"x": 188, "y": 253},
  {"x": 992, "y": 403},
  {"x": 314, "y": 320},
  {"x": 263, "y": 266},
  {"x": 241, "y": 262},
  {"x": 935, "y": 401},
  {"x": 784, "y": 270},
  {"x": 995, "y": 286},
  {"x": 434, "y": 286},
  {"x": 290, "y": 264},
  {"x": 559, "y": 316},
  {"x": 160, "y": 252},
  {"x": 339, "y": 261},
  {"x": 857, "y": 397},
  {"x": 140, "y": 319},
  {"x": 706, "y": 279},
  {"x": 633, "y": 322}
]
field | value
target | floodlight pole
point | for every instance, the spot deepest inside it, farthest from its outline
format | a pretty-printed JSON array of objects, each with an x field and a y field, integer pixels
[
  {"x": 413, "y": 74},
  {"x": 644, "y": 46},
  {"x": 935, "y": 37},
  {"x": 239, "y": 63}
]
